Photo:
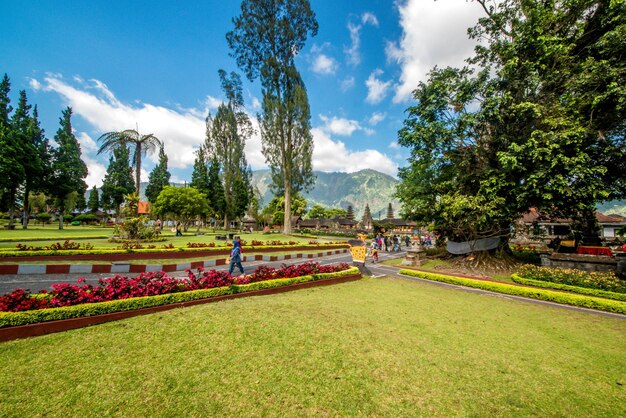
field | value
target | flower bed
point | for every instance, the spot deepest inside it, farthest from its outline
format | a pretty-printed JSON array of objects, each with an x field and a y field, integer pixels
[
  {"x": 150, "y": 284},
  {"x": 23, "y": 318},
  {"x": 592, "y": 280}
]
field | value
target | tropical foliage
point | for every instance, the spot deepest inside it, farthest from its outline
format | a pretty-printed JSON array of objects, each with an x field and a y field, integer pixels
[{"x": 541, "y": 124}]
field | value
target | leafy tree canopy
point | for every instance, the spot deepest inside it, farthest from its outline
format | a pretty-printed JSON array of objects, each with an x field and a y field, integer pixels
[
  {"x": 183, "y": 203},
  {"x": 540, "y": 124}
]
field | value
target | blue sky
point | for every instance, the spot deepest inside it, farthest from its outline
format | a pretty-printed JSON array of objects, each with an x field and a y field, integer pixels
[{"x": 153, "y": 65}]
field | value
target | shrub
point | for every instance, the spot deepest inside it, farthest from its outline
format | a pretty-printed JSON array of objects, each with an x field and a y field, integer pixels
[
  {"x": 542, "y": 294},
  {"x": 43, "y": 217},
  {"x": 592, "y": 280},
  {"x": 200, "y": 245},
  {"x": 86, "y": 217},
  {"x": 151, "y": 284},
  {"x": 575, "y": 289}
]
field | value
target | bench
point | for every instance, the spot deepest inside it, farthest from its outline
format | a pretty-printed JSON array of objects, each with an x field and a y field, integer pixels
[
  {"x": 220, "y": 237},
  {"x": 7, "y": 226}
]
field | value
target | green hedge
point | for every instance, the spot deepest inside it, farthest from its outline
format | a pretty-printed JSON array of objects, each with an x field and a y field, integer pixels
[
  {"x": 63, "y": 238},
  {"x": 575, "y": 289},
  {"x": 593, "y": 280},
  {"x": 248, "y": 248},
  {"x": 541, "y": 294},
  {"x": 9, "y": 319}
]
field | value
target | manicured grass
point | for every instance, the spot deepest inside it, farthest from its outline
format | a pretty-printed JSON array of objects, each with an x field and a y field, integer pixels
[
  {"x": 377, "y": 347},
  {"x": 190, "y": 236}
]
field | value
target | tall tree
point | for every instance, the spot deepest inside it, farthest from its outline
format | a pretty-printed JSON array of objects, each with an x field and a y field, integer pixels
[
  {"x": 200, "y": 173},
  {"x": 227, "y": 134},
  {"x": 139, "y": 146},
  {"x": 118, "y": 181},
  {"x": 216, "y": 190},
  {"x": 68, "y": 170},
  {"x": 94, "y": 200},
  {"x": 159, "y": 178},
  {"x": 36, "y": 159},
  {"x": 265, "y": 41},
  {"x": 17, "y": 144},
  {"x": 541, "y": 125},
  {"x": 8, "y": 152}
]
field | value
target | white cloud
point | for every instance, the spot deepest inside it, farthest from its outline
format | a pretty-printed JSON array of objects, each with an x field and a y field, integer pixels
[
  {"x": 182, "y": 131},
  {"x": 347, "y": 83},
  {"x": 256, "y": 103},
  {"x": 323, "y": 64},
  {"x": 376, "y": 88},
  {"x": 87, "y": 144},
  {"x": 339, "y": 126},
  {"x": 353, "y": 51},
  {"x": 394, "y": 145},
  {"x": 34, "y": 84},
  {"x": 330, "y": 155},
  {"x": 370, "y": 18},
  {"x": 376, "y": 118},
  {"x": 434, "y": 33},
  {"x": 95, "y": 172}
]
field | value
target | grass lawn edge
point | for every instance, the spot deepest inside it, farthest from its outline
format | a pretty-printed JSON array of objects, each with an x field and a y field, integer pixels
[
  {"x": 582, "y": 301},
  {"x": 15, "y": 325}
]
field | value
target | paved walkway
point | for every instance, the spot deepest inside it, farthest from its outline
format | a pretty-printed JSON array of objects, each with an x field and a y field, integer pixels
[{"x": 36, "y": 282}]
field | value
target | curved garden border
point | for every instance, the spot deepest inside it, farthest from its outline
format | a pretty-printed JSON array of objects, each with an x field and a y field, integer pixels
[
  {"x": 142, "y": 268},
  {"x": 583, "y": 301},
  {"x": 123, "y": 255},
  {"x": 78, "y": 316}
]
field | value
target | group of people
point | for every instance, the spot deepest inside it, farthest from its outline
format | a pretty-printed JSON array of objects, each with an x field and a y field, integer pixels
[{"x": 387, "y": 243}]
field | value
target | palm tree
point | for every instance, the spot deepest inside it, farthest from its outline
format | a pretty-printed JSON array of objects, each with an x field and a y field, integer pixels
[{"x": 139, "y": 145}]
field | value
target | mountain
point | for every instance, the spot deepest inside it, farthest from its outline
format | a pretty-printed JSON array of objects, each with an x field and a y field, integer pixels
[{"x": 338, "y": 190}]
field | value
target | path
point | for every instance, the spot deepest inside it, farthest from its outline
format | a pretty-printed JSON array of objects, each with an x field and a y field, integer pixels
[{"x": 36, "y": 282}]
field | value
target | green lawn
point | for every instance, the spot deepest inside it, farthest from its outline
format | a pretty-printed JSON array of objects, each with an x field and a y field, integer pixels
[
  {"x": 87, "y": 234},
  {"x": 377, "y": 347}
]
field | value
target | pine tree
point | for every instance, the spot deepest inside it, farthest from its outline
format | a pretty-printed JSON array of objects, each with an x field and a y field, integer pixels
[
  {"x": 36, "y": 163},
  {"x": 94, "y": 200},
  {"x": 216, "y": 189},
  {"x": 18, "y": 145},
  {"x": 350, "y": 214},
  {"x": 68, "y": 169},
  {"x": 389, "y": 211},
  {"x": 226, "y": 139},
  {"x": 118, "y": 180},
  {"x": 265, "y": 41},
  {"x": 159, "y": 178},
  {"x": 200, "y": 174}
]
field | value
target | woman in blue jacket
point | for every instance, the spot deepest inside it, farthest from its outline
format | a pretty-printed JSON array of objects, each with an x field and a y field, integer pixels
[{"x": 235, "y": 257}]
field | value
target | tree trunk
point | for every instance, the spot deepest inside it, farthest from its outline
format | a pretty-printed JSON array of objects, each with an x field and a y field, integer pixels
[
  {"x": 138, "y": 169},
  {"x": 12, "y": 193},
  {"x": 26, "y": 207},
  {"x": 61, "y": 221},
  {"x": 287, "y": 218},
  {"x": 226, "y": 224}
]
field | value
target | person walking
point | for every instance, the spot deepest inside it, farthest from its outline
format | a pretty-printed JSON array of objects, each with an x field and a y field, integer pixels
[
  {"x": 235, "y": 257},
  {"x": 179, "y": 228},
  {"x": 407, "y": 240}
]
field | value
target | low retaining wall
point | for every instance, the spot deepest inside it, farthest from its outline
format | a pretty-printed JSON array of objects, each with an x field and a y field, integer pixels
[
  {"x": 32, "y": 330},
  {"x": 580, "y": 262},
  {"x": 142, "y": 268},
  {"x": 187, "y": 253}
]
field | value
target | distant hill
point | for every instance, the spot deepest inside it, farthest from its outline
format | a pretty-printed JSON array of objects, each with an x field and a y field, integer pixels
[{"x": 338, "y": 190}]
